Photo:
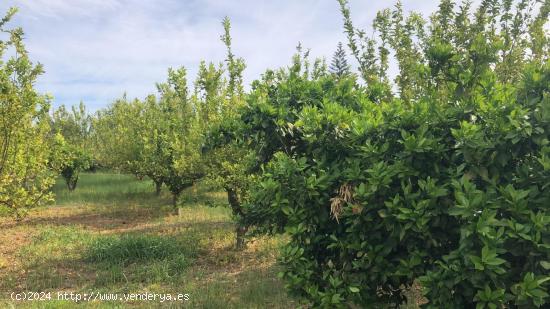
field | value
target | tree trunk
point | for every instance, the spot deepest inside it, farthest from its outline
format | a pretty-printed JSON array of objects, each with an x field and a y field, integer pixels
[
  {"x": 240, "y": 230},
  {"x": 241, "y": 240},
  {"x": 175, "y": 200},
  {"x": 234, "y": 202},
  {"x": 71, "y": 183},
  {"x": 175, "y": 208},
  {"x": 158, "y": 187}
]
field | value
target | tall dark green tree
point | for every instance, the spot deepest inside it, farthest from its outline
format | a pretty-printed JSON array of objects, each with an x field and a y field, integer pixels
[
  {"x": 443, "y": 184},
  {"x": 339, "y": 65}
]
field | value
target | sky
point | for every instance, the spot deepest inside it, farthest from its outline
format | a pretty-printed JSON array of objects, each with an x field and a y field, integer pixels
[{"x": 97, "y": 50}]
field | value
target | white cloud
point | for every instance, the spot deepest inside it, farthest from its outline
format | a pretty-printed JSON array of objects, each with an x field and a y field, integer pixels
[{"x": 62, "y": 8}]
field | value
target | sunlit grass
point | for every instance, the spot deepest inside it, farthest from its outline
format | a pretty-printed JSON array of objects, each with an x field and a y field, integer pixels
[
  {"x": 113, "y": 235},
  {"x": 105, "y": 188}
]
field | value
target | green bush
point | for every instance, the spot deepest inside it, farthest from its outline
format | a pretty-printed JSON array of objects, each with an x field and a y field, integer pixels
[
  {"x": 446, "y": 185},
  {"x": 373, "y": 200}
]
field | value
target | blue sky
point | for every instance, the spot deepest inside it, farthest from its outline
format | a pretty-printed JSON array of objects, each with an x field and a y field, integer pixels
[{"x": 95, "y": 50}]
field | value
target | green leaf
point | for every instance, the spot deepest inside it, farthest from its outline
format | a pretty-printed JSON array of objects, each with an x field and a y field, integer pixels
[
  {"x": 495, "y": 261},
  {"x": 538, "y": 293}
]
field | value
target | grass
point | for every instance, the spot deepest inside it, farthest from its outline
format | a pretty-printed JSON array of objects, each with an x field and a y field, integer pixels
[
  {"x": 127, "y": 249},
  {"x": 113, "y": 235},
  {"x": 105, "y": 188}
]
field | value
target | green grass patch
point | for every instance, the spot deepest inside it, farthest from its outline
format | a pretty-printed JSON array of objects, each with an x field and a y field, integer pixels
[
  {"x": 4, "y": 211},
  {"x": 54, "y": 244},
  {"x": 105, "y": 188},
  {"x": 127, "y": 249}
]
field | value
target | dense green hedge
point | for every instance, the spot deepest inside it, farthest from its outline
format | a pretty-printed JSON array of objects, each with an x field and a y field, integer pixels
[
  {"x": 378, "y": 196},
  {"x": 439, "y": 180}
]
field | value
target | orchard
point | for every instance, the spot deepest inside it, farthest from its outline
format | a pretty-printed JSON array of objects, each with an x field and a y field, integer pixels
[{"x": 433, "y": 180}]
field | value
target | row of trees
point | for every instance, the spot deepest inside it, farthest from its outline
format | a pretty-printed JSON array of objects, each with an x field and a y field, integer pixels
[
  {"x": 166, "y": 137},
  {"x": 439, "y": 176},
  {"x": 162, "y": 137}
]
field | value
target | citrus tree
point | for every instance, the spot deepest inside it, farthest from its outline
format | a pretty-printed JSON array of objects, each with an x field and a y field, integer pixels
[
  {"x": 72, "y": 142},
  {"x": 174, "y": 139},
  {"x": 158, "y": 137},
  {"x": 443, "y": 183},
  {"x": 116, "y": 136},
  {"x": 24, "y": 175},
  {"x": 227, "y": 158}
]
